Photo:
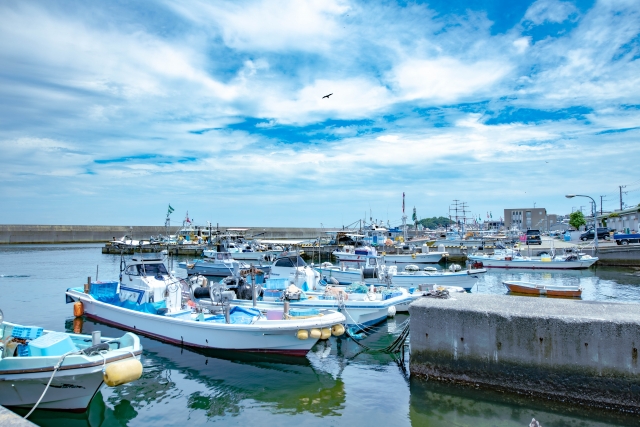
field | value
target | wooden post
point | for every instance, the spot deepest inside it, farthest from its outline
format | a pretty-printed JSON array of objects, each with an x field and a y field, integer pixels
[{"x": 87, "y": 286}]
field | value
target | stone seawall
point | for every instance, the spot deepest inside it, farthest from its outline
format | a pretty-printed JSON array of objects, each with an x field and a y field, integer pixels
[
  {"x": 584, "y": 352},
  {"x": 19, "y": 234}
]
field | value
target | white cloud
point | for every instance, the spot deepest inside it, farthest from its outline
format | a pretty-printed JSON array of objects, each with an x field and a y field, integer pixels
[
  {"x": 447, "y": 79},
  {"x": 521, "y": 44},
  {"x": 278, "y": 25},
  {"x": 78, "y": 87},
  {"x": 549, "y": 11}
]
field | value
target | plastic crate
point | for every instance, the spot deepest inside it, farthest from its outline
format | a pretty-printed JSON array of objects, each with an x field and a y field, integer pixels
[
  {"x": 279, "y": 284},
  {"x": 23, "y": 350},
  {"x": 272, "y": 293},
  {"x": 297, "y": 312},
  {"x": 104, "y": 289},
  {"x": 52, "y": 344},
  {"x": 392, "y": 295},
  {"x": 27, "y": 332}
]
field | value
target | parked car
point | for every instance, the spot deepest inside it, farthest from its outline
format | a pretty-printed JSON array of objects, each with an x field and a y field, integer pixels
[
  {"x": 533, "y": 237},
  {"x": 603, "y": 233}
]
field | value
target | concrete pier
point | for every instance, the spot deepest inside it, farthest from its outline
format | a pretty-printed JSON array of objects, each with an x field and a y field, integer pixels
[
  {"x": 25, "y": 234},
  {"x": 583, "y": 352},
  {"x": 10, "y": 419}
]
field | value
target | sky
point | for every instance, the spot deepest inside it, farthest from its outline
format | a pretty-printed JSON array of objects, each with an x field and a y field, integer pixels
[{"x": 110, "y": 111}]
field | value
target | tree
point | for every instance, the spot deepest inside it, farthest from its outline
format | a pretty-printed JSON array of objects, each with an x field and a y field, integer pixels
[
  {"x": 576, "y": 219},
  {"x": 433, "y": 223}
]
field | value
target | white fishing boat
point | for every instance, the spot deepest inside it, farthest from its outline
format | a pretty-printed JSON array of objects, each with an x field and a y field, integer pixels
[
  {"x": 290, "y": 266},
  {"x": 405, "y": 254},
  {"x": 362, "y": 305},
  {"x": 377, "y": 273},
  {"x": 411, "y": 254},
  {"x": 127, "y": 242},
  {"x": 56, "y": 370},
  {"x": 152, "y": 302},
  {"x": 355, "y": 256},
  {"x": 512, "y": 258},
  {"x": 218, "y": 264}
]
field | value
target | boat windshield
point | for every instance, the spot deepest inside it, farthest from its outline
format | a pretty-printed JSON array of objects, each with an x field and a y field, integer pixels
[
  {"x": 152, "y": 269},
  {"x": 290, "y": 261}
]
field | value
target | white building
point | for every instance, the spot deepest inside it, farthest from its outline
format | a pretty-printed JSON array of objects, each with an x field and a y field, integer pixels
[{"x": 622, "y": 220}]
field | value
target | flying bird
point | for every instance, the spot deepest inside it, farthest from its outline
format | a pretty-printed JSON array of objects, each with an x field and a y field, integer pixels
[{"x": 327, "y": 96}]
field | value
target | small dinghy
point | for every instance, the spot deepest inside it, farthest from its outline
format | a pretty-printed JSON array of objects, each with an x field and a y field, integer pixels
[
  {"x": 56, "y": 370},
  {"x": 531, "y": 288}
]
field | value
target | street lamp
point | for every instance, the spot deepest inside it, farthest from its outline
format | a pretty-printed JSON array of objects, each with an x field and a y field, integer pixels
[{"x": 595, "y": 222}]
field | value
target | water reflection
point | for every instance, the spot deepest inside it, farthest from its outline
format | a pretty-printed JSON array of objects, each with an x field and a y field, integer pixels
[
  {"x": 337, "y": 383},
  {"x": 213, "y": 384},
  {"x": 436, "y": 404},
  {"x": 598, "y": 284}
]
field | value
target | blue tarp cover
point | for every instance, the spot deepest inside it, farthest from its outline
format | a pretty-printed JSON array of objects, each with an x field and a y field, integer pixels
[
  {"x": 237, "y": 315},
  {"x": 149, "y": 307}
]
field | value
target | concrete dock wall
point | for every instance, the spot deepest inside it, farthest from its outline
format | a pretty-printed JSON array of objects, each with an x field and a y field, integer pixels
[
  {"x": 578, "y": 351},
  {"x": 18, "y": 234},
  {"x": 10, "y": 419}
]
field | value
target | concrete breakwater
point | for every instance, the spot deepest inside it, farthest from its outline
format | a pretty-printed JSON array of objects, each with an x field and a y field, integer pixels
[
  {"x": 24, "y": 234},
  {"x": 583, "y": 352}
]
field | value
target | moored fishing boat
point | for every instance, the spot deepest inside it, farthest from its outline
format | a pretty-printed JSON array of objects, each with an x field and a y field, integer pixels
[
  {"x": 510, "y": 258},
  {"x": 362, "y": 305},
  {"x": 56, "y": 370},
  {"x": 152, "y": 302},
  {"x": 218, "y": 264},
  {"x": 549, "y": 289},
  {"x": 376, "y": 273}
]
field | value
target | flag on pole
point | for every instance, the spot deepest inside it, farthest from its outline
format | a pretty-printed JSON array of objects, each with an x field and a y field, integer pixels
[
  {"x": 414, "y": 216},
  {"x": 487, "y": 215},
  {"x": 188, "y": 220},
  {"x": 491, "y": 215},
  {"x": 170, "y": 210},
  {"x": 403, "y": 202}
]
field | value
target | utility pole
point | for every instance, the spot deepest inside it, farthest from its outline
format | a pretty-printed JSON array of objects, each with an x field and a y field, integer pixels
[
  {"x": 601, "y": 204},
  {"x": 621, "y": 187}
]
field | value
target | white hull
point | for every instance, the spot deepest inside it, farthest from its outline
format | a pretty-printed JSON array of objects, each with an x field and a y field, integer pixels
[
  {"x": 23, "y": 379},
  {"x": 419, "y": 258},
  {"x": 489, "y": 262},
  {"x": 465, "y": 279},
  {"x": 262, "y": 336},
  {"x": 69, "y": 390},
  {"x": 357, "y": 312},
  {"x": 246, "y": 256},
  {"x": 355, "y": 260}
]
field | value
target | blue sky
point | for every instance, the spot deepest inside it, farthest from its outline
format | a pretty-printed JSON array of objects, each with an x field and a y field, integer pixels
[{"x": 109, "y": 111}]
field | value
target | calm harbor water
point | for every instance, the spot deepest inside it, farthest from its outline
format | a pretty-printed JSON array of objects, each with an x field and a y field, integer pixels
[{"x": 336, "y": 384}]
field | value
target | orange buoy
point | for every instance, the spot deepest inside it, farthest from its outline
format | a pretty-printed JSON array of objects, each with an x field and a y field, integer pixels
[
  {"x": 78, "y": 309},
  {"x": 77, "y": 325}
]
